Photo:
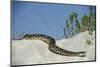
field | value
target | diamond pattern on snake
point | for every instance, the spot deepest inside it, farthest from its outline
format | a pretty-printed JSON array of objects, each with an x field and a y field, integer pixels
[{"x": 52, "y": 45}]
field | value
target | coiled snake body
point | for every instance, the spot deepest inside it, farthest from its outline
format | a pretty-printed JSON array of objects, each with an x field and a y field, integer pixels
[{"x": 51, "y": 45}]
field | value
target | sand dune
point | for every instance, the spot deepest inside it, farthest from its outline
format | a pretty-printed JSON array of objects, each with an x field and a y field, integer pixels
[{"x": 36, "y": 52}]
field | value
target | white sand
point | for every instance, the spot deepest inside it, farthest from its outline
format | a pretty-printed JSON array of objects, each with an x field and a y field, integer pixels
[{"x": 36, "y": 52}]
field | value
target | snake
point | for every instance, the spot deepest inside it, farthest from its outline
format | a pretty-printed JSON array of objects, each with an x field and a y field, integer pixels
[{"x": 52, "y": 45}]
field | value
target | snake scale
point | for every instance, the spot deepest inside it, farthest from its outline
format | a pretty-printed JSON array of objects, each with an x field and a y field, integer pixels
[{"x": 51, "y": 45}]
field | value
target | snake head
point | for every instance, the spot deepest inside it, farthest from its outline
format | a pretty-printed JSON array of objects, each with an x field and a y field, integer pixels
[{"x": 82, "y": 54}]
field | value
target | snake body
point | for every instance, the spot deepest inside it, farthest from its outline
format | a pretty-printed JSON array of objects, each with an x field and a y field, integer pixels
[{"x": 51, "y": 45}]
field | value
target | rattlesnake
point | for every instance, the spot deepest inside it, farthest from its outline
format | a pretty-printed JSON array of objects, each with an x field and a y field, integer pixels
[{"x": 51, "y": 45}]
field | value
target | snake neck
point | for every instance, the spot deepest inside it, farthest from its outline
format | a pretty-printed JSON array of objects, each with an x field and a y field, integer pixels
[{"x": 60, "y": 51}]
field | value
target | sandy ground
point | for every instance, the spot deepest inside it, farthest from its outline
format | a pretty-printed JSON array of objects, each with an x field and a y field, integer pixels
[{"x": 36, "y": 52}]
